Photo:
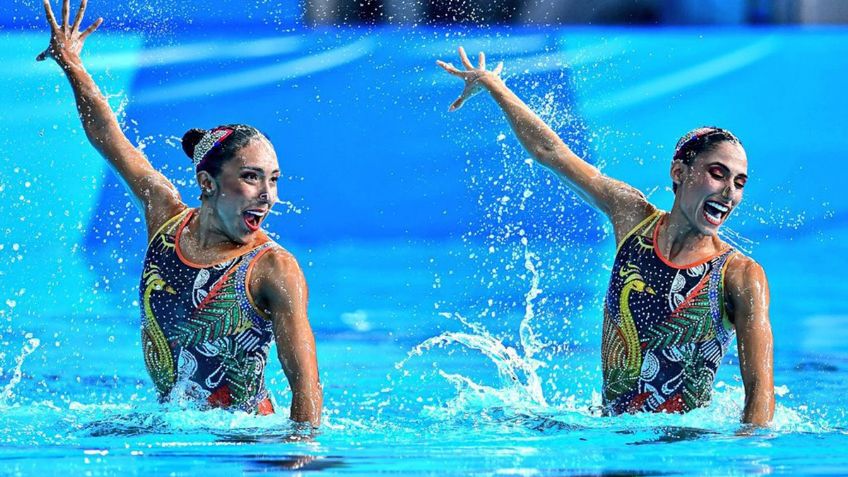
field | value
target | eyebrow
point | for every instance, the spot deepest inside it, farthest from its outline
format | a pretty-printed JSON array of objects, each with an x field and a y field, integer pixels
[
  {"x": 257, "y": 169},
  {"x": 743, "y": 176}
]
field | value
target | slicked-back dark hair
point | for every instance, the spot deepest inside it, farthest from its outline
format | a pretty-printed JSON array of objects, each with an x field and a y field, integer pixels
[
  {"x": 699, "y": 141},
  {"x": 222, "y": 152}
]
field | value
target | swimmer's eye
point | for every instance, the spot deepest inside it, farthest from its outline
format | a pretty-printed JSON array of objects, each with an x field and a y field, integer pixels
[
  {"x": 740, "y": 183},
  {"x": 250, "y": 176},
  {"x": 716, "y": 172},
  {"x": 275, "y": 179}
]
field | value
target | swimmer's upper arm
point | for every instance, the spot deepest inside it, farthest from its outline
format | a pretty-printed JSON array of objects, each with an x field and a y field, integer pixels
[
  {"x": 748, "y": 292},
  {"x": 623, "y": 204},
  {"x": 155, "y": 195},
  {"x": 159, "y": 200},
  {"x": 280, "y": 293}
]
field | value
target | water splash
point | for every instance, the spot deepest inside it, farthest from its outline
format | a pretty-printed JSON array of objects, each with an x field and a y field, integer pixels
[
  {"x": 520, "y": 384},
  {"x": 8, "y": 394},
  {"x": 737, "y": 240}
]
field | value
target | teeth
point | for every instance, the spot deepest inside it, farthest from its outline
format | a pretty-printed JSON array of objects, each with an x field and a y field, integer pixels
[
  {"x": 721, "y": 207},
  {"x": 255, "y": 213},
  {"x": 713, "y": 217}
]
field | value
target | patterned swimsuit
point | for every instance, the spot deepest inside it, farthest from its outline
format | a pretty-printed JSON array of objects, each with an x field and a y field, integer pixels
[
  {"x": 202, "y": 338},
  {"x": 665, "y": 330}
]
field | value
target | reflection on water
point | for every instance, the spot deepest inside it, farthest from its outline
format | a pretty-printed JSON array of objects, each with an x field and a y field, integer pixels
[{"x": 291, "y": 462}]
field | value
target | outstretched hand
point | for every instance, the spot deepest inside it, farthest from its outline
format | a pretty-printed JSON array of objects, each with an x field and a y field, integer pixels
[
  {"x": 66, "y": 40},
  {"x": 472, "y": 76}
]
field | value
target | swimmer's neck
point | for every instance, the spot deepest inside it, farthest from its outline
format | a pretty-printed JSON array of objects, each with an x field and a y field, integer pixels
[
  {"x": 207, "y": 232},
  {"x": 679, "y": 241}
]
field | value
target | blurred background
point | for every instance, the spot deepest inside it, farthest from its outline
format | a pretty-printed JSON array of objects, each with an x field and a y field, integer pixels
[
  {"x": 471, "y": 12},
  {"x": 576, "y": 12}
]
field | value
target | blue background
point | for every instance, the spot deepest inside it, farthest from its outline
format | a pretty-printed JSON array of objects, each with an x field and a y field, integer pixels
[{"x": 404, "y": 217}]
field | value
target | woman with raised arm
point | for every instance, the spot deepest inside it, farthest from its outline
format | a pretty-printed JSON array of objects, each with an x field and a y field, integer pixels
[
  {"x": 678, "y": 293},
  {"x": 215, "y": 289}
]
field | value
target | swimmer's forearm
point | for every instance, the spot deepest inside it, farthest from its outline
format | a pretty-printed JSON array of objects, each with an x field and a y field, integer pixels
[
  {"x": 759, "y": 406},
  {"x": 307, "y": 403},
  {"x": 98, "y": 120},
  {"x": 536, "y": 136},
  {"x": 543, "y": 143}
]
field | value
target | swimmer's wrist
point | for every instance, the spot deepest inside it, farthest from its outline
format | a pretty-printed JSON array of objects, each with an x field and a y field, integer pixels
[
  {"x": 491, "y": 81},
  {"x": 73, "y": 69}
]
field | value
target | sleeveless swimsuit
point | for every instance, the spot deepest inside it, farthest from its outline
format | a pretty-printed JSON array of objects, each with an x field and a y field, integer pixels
[
  {"x": 202, "y": 338},
  {"x": 665, "y": 328}
]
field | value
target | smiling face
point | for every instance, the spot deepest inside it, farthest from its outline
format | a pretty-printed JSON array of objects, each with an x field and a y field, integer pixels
[
  {"x": 711, "y": 186},
  {"x": 244, "y": 190}
]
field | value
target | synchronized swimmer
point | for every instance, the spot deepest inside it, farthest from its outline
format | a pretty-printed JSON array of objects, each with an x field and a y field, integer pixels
[
  {"x": 216, "y": 290},
  {"x": 678, "y": 293}
]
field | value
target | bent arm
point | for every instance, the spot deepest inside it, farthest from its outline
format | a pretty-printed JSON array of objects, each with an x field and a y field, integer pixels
[
  {"x": 749, "y": 294},
  {"x": 623, "y": 204},
  {"x": 282, "y": 296},
  {"x": 157, "y": 196}
]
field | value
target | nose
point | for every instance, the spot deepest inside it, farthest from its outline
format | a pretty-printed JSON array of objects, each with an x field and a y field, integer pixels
[
  {"x": 267, "y": 193},
  {"x": 727, "y": 191}
]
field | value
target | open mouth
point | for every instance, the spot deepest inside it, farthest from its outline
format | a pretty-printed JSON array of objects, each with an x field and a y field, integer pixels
[
  {"x": 715, "y": 212},
  {"x": 252, "y": 219}
]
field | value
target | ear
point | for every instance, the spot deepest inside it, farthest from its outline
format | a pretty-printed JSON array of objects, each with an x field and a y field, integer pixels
[
  {"x": 207, "y": 184},
  {"x": 678, "y": 172}
]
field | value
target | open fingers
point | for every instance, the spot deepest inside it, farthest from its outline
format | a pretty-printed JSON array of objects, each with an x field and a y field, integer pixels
[
  {"x": 449, "y": 68},
  {"x": 50, "y": 18},
  {"x": 457, "y": 104},
  {"x": 498, "y": 68},
  {"x": 90, "y": 29},
  {"x": 481, "y": 62},
  {"x": 464, "y": 58},
  {"x": 66, "y": 13},
  {"x": 80, "y": 14}
]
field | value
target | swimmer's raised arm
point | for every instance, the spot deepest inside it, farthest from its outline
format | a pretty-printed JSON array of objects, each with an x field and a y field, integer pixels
[
  {"x": 158, "y": 197},
  {"x": 622, "y": 203},
  {"x": 279, "y": 288},
  {"x": 748, "y": 292}
]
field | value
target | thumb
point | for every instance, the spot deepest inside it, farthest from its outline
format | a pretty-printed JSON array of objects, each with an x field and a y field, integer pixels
[{"x": 457, "y": 104}]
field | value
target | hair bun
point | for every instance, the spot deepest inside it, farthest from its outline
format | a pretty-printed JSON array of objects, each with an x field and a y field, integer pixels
[{"x": 190, "y": 140}]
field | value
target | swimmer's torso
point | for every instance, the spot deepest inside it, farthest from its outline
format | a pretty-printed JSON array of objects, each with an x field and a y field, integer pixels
[
  {"x": 665, "y": 330},
  {"x": 203, "y": 340}
]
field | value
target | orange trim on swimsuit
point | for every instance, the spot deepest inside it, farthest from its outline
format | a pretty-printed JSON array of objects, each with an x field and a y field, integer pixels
[{"x": 669, "y": 262}]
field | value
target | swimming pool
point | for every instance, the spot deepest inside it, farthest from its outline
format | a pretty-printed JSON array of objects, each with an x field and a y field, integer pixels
[{"x": 455, "y": 290}]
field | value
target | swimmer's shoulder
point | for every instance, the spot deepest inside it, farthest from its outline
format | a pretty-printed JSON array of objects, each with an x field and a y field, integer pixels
[
  {"x": 156, "y": 219},
  {"x": 745, "y": 281},
  {"x": 275, "y": 271},
  {"x": 638, "y": 214},
  {"x": 741, "y": 269}
]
